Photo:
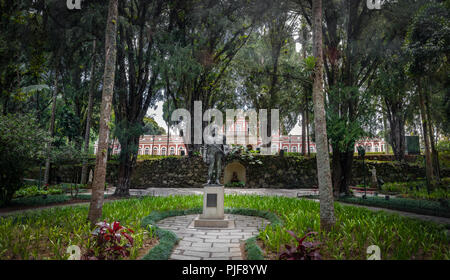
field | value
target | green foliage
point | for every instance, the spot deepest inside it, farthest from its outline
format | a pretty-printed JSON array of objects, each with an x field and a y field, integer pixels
[
  {"x": 425, "y": 207},
  {"x": 29, "y": 191},
  {"x": 428, "y": 40},
  {"x": 39, "y": 200},
  {"x": 23, "y": 236},
  {"x": 22, "y": 143},
  {"x": 155, "y": 157},
  {"x": 418, "y": 189},
  {"x": 243, "y": 153},
  {"x": 235, "y": 185},
  {"x": 151, "y": 127},
  {"x": 167, "y": 239},
  {"x": 254, "y": 252},
  {"x": 443, "y": 146},
  {"x": 398, "y": 237}
]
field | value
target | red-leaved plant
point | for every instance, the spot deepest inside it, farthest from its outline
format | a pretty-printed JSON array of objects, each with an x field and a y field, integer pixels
[
  {"x": 304, "y": 250},
  {"x": 109, "y": 244}
]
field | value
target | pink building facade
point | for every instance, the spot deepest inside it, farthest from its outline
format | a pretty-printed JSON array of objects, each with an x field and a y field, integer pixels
[{"x": 158, "y": 144}]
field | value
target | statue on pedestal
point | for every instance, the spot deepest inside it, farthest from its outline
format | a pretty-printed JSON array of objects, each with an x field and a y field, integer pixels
[{"x": 214, "y": 152}]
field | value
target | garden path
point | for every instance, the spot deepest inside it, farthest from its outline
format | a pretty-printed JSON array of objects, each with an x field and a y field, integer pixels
[{"x": 211, "y": 244}]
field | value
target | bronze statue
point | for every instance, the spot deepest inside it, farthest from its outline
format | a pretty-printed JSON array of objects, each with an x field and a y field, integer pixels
[{"x": 213, "y": 154}]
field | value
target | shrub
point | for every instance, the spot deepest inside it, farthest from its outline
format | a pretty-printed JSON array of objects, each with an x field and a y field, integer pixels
[
  {"x": 235, "y": 185},
  {"x": 418, "y": 189},
  {"x": 443, "y": 146},
  {"x": 108, "y": 242},
  {"x": 30, "y": 191},
  {"x": 305, "y": 250},
  {"x": 21, "y": 146},
  {"x": 425, "y": 207}
]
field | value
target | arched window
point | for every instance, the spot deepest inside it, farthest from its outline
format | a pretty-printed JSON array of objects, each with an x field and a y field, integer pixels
[
  {"x": 163, "y": 151},
  {"x": 172, "y": 151},
  {"x": 147, "y": 150},
  {"x": 155, "y": 150},
  {"x": 285, "y": 148},
  {"x": 294, "y": 149},
  {"x": 181, "y": 151}
]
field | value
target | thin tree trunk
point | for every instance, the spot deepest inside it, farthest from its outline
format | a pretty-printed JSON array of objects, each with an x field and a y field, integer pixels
[
  {"x": 307, "y": 132},
  {"x": 434, "y": 153},
  {"x": 385, "y": 134},
  {"x": 167, "y": 123},
  {"x": 303, "y": 132},
  {"x": 98, "y": 186},
  {"x": 51, "y": 131},
  {"x": 428, "y": 164},
  {"x": 327, "y": 219},
  {"x": 84, "y": 169}
]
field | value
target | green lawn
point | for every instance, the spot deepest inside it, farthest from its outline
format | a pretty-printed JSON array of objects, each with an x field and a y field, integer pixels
[{"x": 46, "y": 234}]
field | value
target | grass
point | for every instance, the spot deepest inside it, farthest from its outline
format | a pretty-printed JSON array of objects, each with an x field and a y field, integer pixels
[{"x": 45, "y": 234}]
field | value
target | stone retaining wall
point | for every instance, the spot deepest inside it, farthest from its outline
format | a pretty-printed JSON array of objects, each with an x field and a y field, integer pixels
[{"x": 273, "y": 172}]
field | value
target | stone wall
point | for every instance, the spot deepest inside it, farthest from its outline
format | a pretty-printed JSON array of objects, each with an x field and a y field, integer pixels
[{"x": 273, "y": 172}]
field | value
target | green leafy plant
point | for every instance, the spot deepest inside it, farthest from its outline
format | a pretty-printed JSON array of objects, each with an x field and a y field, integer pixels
[
  {"x": 304, "y": 250},
  {"x": 108, "y": 242}
]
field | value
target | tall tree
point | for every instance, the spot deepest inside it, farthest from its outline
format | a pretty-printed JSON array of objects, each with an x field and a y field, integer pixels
[
  {"x": 327, "y": 219},
  {"x": 51, "y": 129},
  {"x": 98, "y": 186},
  {"x": 87, "y": 135},
  {"x": 427, "y": 44},
  {"x": 137, "y": 79}
]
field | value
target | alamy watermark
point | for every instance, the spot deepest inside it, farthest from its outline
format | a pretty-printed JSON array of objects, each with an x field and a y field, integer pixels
[
  {"x": 214, "y": 118},
  {"x": 74, "y": 4},
  {"x": 373, "y": 253},
  {"x": 376, "y": 4}
]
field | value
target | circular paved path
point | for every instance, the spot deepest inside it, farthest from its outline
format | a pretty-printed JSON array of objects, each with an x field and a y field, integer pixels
[{"x": 211, "y": 244}]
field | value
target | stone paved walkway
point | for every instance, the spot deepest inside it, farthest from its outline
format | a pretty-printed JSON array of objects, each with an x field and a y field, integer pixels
[{"x": 211, "y": 244}]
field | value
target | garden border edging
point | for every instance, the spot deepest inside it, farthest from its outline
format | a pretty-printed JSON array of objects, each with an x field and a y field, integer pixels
[{"x": 168, "y": 239}]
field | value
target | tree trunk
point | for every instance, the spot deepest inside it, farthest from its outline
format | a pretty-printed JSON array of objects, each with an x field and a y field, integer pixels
[
  {"x": 84, "y": 169},
  {"x": 327, "y": 219},
  {"x": 342, "y": 166},
  {"x": 303, "y": 132},
  {"x": 434, "y": 153},
  {"x": 397, "y": 125},
  {"x": 98, "y": 186},
  {"x": 167, "y": 123},
  {"x": 128, "y": 158},
  {"x": 385, "y": 134},
  {"x": 51, "y": 131},
  {"x": 428, "y": 163},
  {"x": 307, "y": 133}
]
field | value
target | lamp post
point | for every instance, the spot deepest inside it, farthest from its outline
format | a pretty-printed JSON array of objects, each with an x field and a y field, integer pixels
[{"x": 361, "y": 153}]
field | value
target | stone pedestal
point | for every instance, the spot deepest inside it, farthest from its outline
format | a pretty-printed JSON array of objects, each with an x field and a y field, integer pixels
[{"x": 213, "y": 209}]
